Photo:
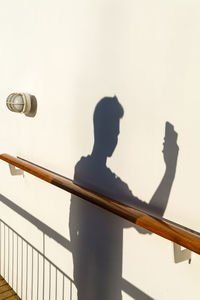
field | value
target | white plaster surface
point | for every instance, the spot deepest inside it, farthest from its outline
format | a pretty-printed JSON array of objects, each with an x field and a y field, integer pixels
[{"x": 70, "y": 54}]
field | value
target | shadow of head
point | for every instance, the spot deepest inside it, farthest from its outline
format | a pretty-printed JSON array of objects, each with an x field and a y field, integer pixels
[{"x": 107, "y": 115}]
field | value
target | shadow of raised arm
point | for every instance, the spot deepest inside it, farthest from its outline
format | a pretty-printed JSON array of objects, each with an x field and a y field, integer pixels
[{"x": 159, "y": 200}]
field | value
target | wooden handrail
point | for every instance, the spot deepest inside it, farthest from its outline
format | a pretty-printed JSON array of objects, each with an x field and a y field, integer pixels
[{"x": 162, "y": 227}]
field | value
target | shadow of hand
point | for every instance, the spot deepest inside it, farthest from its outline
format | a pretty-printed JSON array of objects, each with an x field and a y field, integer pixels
[{"x": 170, "y": 149}]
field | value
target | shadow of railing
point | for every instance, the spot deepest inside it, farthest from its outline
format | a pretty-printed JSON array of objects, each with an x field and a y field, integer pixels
[{"x": 30, "y": 273}]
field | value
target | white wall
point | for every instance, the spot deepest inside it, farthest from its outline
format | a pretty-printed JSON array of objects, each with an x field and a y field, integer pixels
[{"x": 70, "y": 54}]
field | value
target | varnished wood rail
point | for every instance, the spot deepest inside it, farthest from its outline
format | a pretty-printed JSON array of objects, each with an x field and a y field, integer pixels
[{"x": 162, "y": 227}]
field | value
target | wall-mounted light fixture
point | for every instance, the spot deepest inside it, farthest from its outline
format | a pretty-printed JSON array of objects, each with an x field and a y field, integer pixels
[{"x": 19, "y": 102}]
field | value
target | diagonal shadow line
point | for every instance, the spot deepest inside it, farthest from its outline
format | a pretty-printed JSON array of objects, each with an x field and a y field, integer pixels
[
  {"x": 126, "y": 286},
  {"x": 133, "y": 291},
  {"x": 40, "y": 225}
]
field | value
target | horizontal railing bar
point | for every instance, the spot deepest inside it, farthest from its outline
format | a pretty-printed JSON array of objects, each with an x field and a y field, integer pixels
[
  {"x": 34, "y": 164},
  {"x": 162, "y": 227}
]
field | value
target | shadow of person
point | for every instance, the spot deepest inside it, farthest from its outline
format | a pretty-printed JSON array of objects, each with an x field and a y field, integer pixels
[{"x": 96, "y": 234}]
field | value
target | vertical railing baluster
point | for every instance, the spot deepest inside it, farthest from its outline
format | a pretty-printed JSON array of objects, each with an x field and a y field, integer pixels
[
  {"x": 70, "y": 290},
  {"x": 26, "y": 271},
  {"x": 21, "y": 268},
  {"x": 8, "y": 255},
  {"x": 56, "y": 285},
  {"x": 49, "y": 281},
  {"x": 63, "y": 293},
  {"x": 12, "y": 258},
  {"x": 38, "y": 270},
  {"x": 32, "y": 278},
  {"x": 43, "y": 287},
  {"x": 4, "y": 259},
  {"x": 17, "y": 269}
]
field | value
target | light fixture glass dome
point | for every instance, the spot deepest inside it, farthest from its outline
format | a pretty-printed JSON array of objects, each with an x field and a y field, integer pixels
[{"x": 19, "y": 102}]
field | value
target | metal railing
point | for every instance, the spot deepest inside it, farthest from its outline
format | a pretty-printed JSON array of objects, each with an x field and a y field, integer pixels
[
  {"x": 30, "y": 273},
  {"x": 46, "y": 231}
]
